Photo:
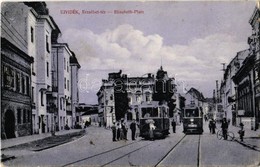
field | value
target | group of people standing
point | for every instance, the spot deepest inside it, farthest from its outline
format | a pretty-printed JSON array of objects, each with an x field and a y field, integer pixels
[
  {"x": 120, "y": 129},
  {"x": 212, "y": 126}
]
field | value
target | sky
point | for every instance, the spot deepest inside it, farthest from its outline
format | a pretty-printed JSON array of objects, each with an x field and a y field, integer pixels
[{"x": 190, "y": 39}]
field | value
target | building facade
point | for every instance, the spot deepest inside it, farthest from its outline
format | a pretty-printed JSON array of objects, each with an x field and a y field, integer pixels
[
  {"x": 227, "y": 88},
  {"x": 75, "y": 67},
  {"x": 254, "y": 42},
  {"x": 65, "y": 80},
  {"x": 16, "y": 109},
  {"x": 247, "y": 80},
  {"x": 30, "y": 30},
  {"x": 139, "y": 91}
]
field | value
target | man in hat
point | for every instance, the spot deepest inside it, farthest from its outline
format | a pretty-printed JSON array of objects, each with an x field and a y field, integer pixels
[
  {"x": 133, "y": 129},
  {"x": 241, "y": 132}
]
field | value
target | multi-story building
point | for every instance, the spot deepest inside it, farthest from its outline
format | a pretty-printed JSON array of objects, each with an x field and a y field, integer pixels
[
  {"x": 15, "y": 91},
  {"x": 210, "y": 108},
  {"x": 247, "y": 80},
  {"x": 254, "y": 42},
  {"x": 30, "y": 30},
  {"x": 106, "y": 101},
  {"x": 65, "y": 79},
  {"x": 74, "y": 66},
  {"x": 139, "y": 90},
  {"x": 194, "y": 97},
  {"x": 227, "y": 88},
  {"x": 180, "y": 104}
]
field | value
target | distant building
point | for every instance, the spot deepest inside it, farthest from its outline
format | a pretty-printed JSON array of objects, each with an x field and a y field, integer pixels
[
  {"x": 179, "y": 108},
  {"x": 138, "y": 91},
  {"x": 194, "y": 97},
  {"x": 210, "y": 108},
  {"x": 106, "y": 101},
  {"x": 88, "y": 114}
]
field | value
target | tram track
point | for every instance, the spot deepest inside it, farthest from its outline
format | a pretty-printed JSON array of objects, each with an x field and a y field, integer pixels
[
  {"x": 108, "y": 151},
  {"x": 199, "y": 158},
  {"x": 174, "y": 148},
  {"x": 129, "y": 152},
  {"x": 170, "y": 151}
]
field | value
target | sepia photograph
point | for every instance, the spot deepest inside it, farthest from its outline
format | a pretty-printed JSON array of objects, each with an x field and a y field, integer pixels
[{"x": 143, "y": 83}]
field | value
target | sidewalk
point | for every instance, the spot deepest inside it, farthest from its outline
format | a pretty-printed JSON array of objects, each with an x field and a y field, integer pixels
[
  {"x": 251, "y": 138},
  {"x": 26, "y": 139}
]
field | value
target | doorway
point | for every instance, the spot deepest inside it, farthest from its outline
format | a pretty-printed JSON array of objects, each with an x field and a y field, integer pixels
[{"x": 9, "y": 124}]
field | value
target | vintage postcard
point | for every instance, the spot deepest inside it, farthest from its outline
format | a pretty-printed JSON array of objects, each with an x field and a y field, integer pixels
[{"x": 130, "y": 83}]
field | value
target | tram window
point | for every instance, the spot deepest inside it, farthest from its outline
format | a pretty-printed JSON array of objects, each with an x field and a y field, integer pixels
[
  {"x": 192, "y": 113},
  {"x": 149, "y": 112}
]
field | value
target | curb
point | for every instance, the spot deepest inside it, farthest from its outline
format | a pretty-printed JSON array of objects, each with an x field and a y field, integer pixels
[
  {"x": 247, "y": 145},
  {"x": 51, "y": 146},
  {"x": 55, "y": 145},
  {"x": 39, "y": 139},
  {"x": 6, "y": 157}
]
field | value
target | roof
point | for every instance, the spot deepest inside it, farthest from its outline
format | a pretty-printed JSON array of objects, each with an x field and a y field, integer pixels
[
  {"x": 198, "y": 94},
  {"x": 74, "y": 60}
]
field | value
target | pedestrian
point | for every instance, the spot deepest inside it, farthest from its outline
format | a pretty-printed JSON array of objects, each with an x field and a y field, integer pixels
[
  {"x": 241, "y": 132},
  {"x": 151, "y": 130},
  {"x": 118, "y": 131},
  {"x": 224, "y": 127},
  {"x": 173, "y": 126},
  {"x": 133, "y": 129},
  {"x": 124, "y": 129},
  {"x": 213, "y": 126},
  {"x": 113, "y": 127},
  {"x": 210, "y": 125}
]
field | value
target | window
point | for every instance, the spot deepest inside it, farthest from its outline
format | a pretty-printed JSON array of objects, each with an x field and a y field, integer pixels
[
  {"x": 24, "y": 116},
  {"x": 67, "y": 66},
  {"x": 68, "y": 85},
  {"x": 147, "y": 96},
  {"x": 18, "y": 82},
  {"x": 64, "y": 83},
  {"x": 23, "y": 84},
  {"x": 47, "y": 69},
  {"x": 61, "y": 103},
  {"x": 33, "y": 94},
  {"x": 32, "y": 35},
  {"x": 8, "y": 77},
  {"x": 64, "y": 63},
  {"x": 27, "y": 85},
  {"x": 47, "y": 43},
  {"x": 42, "y": 98},
  {"x": 19, "y": 116}
]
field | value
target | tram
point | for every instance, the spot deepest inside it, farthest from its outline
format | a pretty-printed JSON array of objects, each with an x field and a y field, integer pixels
[
  {"x": 192, "y": 120},
  {"x": 154, "y": 117}
]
